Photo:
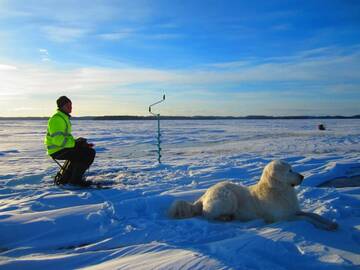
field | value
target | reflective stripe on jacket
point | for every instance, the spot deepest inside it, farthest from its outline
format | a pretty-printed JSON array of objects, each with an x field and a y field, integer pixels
[{"x": 58, "y": 134}]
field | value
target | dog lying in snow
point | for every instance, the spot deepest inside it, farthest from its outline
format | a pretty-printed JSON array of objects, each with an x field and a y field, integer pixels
[{"x": 273, "y": 199}]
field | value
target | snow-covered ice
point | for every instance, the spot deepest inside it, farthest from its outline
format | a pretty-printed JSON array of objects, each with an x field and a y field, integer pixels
[{"x": 46, "y": 227}]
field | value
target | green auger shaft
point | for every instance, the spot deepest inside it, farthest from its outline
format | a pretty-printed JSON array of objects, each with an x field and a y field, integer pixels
[
  {"x": 159, "y": 133},
  {"x": 159, "y": 140}
]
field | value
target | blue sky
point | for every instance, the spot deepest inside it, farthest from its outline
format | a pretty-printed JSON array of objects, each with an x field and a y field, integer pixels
[{"x": 209, "y": 57}]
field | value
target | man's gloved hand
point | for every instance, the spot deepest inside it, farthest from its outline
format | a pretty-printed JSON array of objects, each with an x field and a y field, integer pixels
[
  {"x": 81, "y": 139},
  {"x": 81, "y": 142}
]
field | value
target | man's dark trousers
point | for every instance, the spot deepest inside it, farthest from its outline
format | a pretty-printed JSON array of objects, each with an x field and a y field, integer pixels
[{"x": 81, "y": 157}]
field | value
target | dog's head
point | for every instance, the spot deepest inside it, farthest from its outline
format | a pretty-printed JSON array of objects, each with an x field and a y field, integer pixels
[{"x": 278, "y": 173}]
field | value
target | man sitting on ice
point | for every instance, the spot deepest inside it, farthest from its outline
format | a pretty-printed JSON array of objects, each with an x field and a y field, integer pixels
[{"x": 61, "y": 145}]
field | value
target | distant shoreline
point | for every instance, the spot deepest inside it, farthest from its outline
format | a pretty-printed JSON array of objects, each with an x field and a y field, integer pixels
[{"x": 130, "y": 117}]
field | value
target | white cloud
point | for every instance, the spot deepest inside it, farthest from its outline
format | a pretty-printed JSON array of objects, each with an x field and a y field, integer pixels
[
  {"x": 136, "y": 33},
  {"x": 26, "y": 109},
  {"x": 335, "y": 72},
  {"x": 44, "y": 55},
  {"x": 301, "y": 78},
  {"x": 323, "y": 64},
  {"x": 39, "y": 80},
  {"x": 68, "y": 20},
  {"x": 64, "y": 34},
  {"x": 231, "y": 65},
  {"x": 44, "y": 51},
  {"x": 81, "y": 12},
  {"x": 7, "y": 67},
  {"x": 125, "y": 33}
]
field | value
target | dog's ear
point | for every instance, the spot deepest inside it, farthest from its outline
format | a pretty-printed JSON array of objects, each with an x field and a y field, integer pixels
[
  {"x": 280, "y": 167},
  {"x": 268, "y": 174},
  {"x": 273, "y": 172},
  {"x": 280, "y": 164}
]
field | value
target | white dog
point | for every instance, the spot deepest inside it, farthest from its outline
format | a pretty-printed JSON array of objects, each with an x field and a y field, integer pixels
[{"x": 273, "y": 199}]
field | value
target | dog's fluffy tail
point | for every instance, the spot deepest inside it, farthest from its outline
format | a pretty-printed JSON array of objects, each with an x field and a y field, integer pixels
[{"x": 184, "y": 209}]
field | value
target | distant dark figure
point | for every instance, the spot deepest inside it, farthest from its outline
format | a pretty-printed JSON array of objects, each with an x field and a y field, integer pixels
[
  {"x": 79, "y": 154},
  {"x": 321, "y": 127}
]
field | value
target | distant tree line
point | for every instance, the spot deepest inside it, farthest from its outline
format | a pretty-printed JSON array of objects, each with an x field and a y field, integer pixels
[{"x": 131, "y": 117}]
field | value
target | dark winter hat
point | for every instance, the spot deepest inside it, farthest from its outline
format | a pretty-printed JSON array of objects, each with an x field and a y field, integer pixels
[{"x": 61, "y": 101}]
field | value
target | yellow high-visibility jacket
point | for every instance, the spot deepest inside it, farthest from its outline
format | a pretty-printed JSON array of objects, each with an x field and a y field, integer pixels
[{"x": 58, "y": 134}]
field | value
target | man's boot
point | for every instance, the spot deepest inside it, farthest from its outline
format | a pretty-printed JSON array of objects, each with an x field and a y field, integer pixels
[{"x": 77, "y": 175}]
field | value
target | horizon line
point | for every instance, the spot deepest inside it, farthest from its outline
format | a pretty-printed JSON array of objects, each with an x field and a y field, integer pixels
[{"x": 180, "y": 117}]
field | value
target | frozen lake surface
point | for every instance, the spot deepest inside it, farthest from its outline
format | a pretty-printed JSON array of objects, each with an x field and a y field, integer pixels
[{"x": 127, "y": 227}]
